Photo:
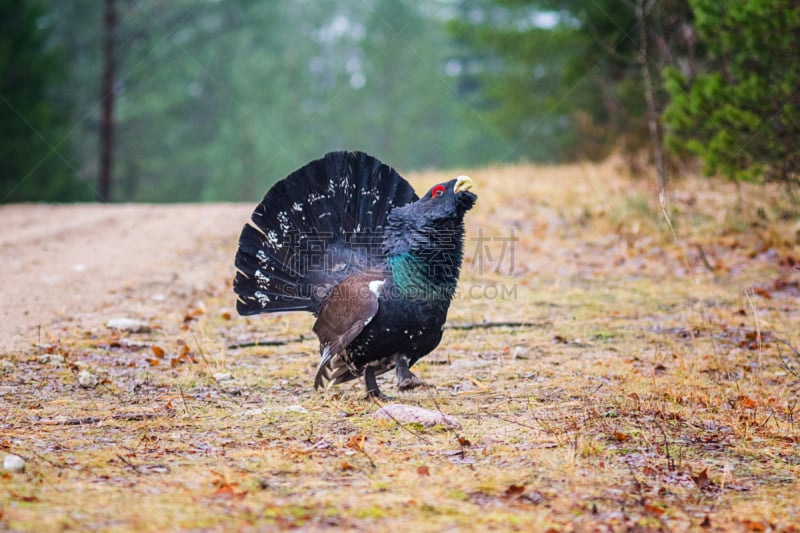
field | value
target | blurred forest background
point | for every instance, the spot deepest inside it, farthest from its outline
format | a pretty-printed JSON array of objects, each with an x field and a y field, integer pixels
[{"x": 199, "y": 100}]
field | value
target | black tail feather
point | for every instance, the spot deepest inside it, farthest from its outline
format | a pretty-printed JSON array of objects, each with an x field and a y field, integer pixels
[{"x": 314, "y": 228}]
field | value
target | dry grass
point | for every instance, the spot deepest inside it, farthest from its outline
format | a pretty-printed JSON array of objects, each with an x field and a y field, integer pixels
[{"x": 650, "y": 395}]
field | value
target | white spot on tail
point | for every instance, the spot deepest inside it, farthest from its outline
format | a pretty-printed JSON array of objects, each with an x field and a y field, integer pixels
[
  {"x": 376, "y": 286},
  {"x": 262, "y": 298},
  {"x": 262, "y": 279},
  {"x": 272, "y": 238},
  {"x": 283, "y": 220}
]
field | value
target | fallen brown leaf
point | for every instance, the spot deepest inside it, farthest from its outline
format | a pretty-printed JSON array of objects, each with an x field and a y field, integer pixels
[
  {"x": 653, "y": 509},
  {"x": 27, "y": 498},
  {"x": 514, "y": 491},
  {"x": 702, "y": 480},
  {"x": 356, "y": 442},
  {"x": 754, "y": 525},
  {"x": 748, "y": 403}
]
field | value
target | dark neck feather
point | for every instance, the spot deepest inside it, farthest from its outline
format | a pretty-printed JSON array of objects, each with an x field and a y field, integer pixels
[{"x": 425, "y": 261}]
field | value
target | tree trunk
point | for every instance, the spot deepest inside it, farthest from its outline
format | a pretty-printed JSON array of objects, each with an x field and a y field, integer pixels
[
  {"x": 653, "y": 117},
  {"x": 107, "y": 101}
]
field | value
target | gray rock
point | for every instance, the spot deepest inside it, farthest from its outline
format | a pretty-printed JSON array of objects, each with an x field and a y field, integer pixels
[
  {"x": 223, "y": 376},
  {"x": 411, "y": 414},
  {"x": 48, "y": 358},
  {"x": 87, "y": 380},
  {"x": 299, "y": 409},
  {"x": 128, "y": 324}
]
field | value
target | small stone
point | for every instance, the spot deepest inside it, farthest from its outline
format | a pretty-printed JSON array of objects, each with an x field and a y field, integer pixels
[
  {"x": 223, "y": 376},
  {"x": 410, "y": 414},
  {"x": 134, "y": 345},
  {"x": 87, "y": 380},
  {"x": 128, "y": 324},
  {"x": 260, "y": 411},
  {"x": 13, "y": 463}
]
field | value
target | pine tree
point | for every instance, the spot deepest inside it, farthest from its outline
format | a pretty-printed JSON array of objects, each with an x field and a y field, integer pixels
[{"x": 742, "y": 115}]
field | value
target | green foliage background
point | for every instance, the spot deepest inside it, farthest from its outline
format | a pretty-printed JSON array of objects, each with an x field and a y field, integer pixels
[
  {"x": 741, "y": 116},
  {"x": 33, "y": 124},
  {"x": 218, "y": 100}
]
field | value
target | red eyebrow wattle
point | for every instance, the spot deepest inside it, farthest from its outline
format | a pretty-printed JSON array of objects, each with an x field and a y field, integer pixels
[{"x": 437, "y": 189}]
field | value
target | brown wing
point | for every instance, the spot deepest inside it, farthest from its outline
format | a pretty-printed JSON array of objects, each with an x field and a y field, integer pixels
[{"x": 342, "y": 317}]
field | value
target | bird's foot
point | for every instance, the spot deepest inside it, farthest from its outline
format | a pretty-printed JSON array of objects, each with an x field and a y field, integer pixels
[
  {"x": 373, "y": 392},
  {"x": 376, "y": 395},
  {"x": 411, "y": 382},
  {"x": 406, "y": 380}
]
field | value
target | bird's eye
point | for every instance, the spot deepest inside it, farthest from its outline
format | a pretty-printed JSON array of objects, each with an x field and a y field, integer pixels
[{"x": 437, "y": 191}]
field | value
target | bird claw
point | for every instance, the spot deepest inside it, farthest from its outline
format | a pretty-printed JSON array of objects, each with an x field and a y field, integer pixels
[
  {"x": 376, "y": 395},
  {"x": 411, "y": 382}
]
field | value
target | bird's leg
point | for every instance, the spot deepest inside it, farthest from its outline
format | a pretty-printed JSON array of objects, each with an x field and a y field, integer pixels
[
  {"x": 372, "y": 386},
  {"x": 406, "y": 380}
]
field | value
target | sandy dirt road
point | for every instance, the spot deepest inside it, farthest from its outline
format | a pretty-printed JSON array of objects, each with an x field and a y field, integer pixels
[{"x": 76, "y": 266}]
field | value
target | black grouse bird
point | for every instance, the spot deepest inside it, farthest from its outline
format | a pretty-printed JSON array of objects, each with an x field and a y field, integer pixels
[{"x": 346, "y": 238}]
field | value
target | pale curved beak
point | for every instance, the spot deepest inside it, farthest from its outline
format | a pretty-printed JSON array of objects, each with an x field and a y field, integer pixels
[{"x": 463, "y": 183}]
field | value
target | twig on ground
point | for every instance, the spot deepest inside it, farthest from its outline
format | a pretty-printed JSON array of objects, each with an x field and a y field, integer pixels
[
  {"x": 86, "y": 420},
  {"x": 784, "y": 362},
  {"x": 490, "y": 325},
  {"x": 759, "y": 337},
  {"x": 786, "y": 343},
  {"x": 510, "y": 421},
  {"x": 143, "y": 469},
  {"x": 301, "y": 338},
  {"x": 199, "y": 348},
  {"x": 703, "y": 257},
  {"x": 183, "y": 399},
  {"x": 269, "y": 342}
]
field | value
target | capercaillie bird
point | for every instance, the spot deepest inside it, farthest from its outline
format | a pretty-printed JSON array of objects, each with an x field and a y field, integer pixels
[{"x": 346, "y": 238}]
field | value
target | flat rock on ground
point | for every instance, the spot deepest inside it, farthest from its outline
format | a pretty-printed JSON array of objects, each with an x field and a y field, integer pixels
[{"x": 411, "y": 414}]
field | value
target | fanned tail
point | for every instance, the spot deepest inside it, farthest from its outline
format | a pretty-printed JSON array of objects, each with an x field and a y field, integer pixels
[{"x": 314, "y": 228}]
